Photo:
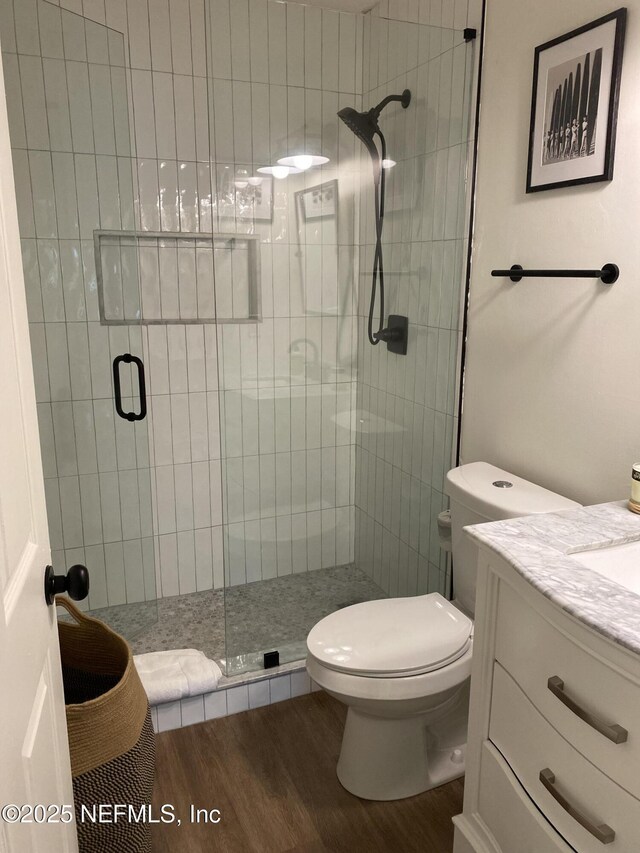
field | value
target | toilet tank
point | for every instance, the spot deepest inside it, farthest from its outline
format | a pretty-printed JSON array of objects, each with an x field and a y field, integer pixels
[{"x": 480, "y": 492}]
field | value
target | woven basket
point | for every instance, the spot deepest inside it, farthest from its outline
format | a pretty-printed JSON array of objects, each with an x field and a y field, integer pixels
[{"x": 111, "y": 738}]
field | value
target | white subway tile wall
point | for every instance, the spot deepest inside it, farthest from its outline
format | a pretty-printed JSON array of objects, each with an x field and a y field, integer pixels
[
  {"x": 407, "y": 411},
  {"x": 287, "y": 385},
  {"x": 70, "y": 130}
]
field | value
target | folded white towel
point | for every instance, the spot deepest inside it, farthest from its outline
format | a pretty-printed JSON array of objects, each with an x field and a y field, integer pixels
[{"x": 167, "y": 676}]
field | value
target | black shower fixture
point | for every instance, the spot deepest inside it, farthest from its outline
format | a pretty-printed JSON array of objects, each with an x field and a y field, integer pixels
[{"x": 366, "y": 128}]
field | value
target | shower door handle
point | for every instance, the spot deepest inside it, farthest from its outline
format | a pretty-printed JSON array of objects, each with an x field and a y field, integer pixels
[{"x": 127, "y": 358}]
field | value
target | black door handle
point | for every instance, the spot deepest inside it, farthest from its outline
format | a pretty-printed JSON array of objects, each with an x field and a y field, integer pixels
[
  {"x": 127, "y": 358},
  {"x": 75, "y": 582}
]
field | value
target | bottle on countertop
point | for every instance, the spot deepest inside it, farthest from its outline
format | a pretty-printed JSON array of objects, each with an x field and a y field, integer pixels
[{"x": 634, "y": 501}]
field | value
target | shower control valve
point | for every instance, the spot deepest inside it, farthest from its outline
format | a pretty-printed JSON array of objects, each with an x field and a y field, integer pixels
[
  {"x": 390, "y": 334},
  {"x": 395, "y": 335}
]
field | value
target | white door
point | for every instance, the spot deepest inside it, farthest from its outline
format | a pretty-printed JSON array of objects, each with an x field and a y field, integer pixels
[{"x": 34, "y": 754}]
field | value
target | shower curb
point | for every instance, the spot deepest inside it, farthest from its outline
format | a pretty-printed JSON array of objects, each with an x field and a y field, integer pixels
[{"x": 234, "y": 695}]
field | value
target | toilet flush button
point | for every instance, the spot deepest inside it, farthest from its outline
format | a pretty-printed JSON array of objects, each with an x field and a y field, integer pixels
[
  {"x": 502, "y": 484},
  {"x": 457, "y": 756}
]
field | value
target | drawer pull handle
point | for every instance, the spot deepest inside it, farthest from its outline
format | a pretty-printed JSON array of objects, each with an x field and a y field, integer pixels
[
  {"x": 610, "y": 730},
  {"x": 600, "y": 831}
]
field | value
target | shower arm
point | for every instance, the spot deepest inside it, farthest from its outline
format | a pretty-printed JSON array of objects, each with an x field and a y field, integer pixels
[{"x": 403, "y": 99}]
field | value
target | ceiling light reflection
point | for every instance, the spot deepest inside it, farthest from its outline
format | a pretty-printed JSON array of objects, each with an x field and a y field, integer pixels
[{"x": 303, "y": 161}]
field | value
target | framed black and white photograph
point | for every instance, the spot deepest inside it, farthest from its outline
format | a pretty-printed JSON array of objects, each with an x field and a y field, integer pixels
[
  {"x": 319, "y": 202},
  {"x": 574, "y": 105}
]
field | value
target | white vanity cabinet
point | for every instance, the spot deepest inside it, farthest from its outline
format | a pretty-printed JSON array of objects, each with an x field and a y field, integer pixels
[{"x": 553, "y": 754}]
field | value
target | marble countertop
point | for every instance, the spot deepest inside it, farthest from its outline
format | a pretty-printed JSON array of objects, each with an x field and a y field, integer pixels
[{"x": 539, "y": 547}]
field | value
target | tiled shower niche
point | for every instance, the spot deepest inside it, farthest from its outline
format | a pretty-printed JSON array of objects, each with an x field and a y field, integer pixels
[{"x": 161, "y": 277}]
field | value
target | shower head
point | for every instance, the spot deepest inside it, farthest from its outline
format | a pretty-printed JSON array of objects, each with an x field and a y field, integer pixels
[{"x": 365, "y": 124}]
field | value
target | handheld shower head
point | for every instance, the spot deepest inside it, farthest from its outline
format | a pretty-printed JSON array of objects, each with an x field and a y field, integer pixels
[{"x": 365, "y": 126}]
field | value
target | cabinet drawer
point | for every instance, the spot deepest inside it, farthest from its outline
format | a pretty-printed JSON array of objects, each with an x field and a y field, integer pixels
[
  {"x": 533, "y": 651},
  {"x": 530, "y": 745},
  {"x": 514, "y": 821}
]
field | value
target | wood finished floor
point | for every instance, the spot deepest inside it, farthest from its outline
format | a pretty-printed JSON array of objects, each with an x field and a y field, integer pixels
[{"x": 271, "y": 772}]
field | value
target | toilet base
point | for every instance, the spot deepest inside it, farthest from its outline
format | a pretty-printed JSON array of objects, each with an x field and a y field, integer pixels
[{"x": 386, "y": 758}]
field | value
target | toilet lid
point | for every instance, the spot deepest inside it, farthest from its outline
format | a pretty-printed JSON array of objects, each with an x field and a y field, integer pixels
[{"x": 392, "y": 636}]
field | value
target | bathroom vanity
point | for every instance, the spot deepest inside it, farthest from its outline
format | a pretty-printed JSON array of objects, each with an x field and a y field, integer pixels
[{"x": 553, "y": 754}]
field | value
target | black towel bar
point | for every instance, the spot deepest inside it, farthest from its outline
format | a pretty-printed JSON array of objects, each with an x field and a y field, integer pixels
[{"x": 607, "y": 275}]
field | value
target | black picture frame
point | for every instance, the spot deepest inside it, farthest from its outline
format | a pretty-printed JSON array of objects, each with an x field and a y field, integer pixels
[{"x": 568, "y": 144}]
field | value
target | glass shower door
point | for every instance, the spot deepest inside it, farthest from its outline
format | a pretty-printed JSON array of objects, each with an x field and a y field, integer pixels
[
  {"x": 74, "y": 170},
  {"x": 407, "y": 405}
]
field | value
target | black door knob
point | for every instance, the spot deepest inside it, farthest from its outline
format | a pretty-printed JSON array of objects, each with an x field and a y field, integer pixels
[{"x": 75, "y": 582}]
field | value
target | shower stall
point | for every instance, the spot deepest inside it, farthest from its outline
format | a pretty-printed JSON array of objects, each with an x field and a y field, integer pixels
[{"x": 223, "y": 447}]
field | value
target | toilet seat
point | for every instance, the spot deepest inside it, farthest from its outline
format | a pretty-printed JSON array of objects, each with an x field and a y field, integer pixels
[
  {"x": 392, "y": 637},
  {"x": 391, "y": 690}
]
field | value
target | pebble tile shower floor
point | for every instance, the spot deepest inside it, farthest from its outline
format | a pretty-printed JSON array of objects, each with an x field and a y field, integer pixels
[{"x": 260, "y": 616}]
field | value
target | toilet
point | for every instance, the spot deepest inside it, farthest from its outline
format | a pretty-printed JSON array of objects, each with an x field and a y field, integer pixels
[{"x": 402, "y": 665}]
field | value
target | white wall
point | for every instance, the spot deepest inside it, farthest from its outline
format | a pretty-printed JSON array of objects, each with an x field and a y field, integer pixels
[{"x": 551, "y": 390}]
